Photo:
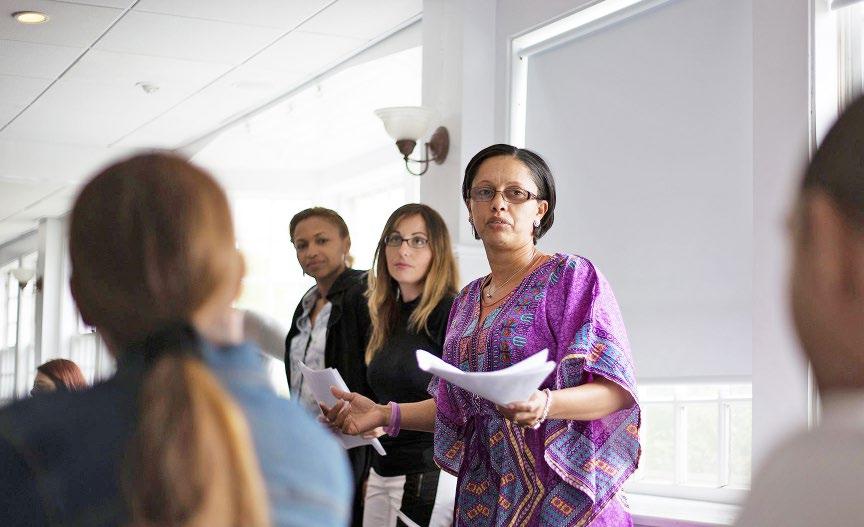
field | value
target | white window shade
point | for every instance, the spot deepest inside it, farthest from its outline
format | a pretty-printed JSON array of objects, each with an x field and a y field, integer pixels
[
  {"x": 837, "y": 4},
  {"x": 647, "y": 125}
]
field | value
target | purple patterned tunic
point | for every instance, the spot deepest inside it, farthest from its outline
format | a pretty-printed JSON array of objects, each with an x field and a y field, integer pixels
[{"x": 567, "y": 473}]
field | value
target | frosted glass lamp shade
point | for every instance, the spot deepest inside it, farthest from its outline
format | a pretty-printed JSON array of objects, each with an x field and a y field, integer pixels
[
  {"x": 23, "y": 275},
  {"x": 406, "y": 122}
]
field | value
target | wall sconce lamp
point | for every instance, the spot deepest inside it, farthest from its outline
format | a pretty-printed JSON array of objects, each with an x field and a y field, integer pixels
[
  {"x": 23, "y": 275},
  {"x": 407, "y": 124}
]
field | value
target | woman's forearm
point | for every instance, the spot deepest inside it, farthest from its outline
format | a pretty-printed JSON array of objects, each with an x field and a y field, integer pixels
[
  {"x": 593, "y": 400},
  {"x": 415, "y": 416}
]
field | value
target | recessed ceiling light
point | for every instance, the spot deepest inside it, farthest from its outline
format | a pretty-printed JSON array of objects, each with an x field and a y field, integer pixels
[{"x": 30, "y": 17}]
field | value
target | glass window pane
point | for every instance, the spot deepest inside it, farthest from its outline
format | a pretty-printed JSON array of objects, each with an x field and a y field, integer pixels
[
  {"x": 699, "y": 392},
  {"x": 649, "y": 393},
  {"x": 741, "y": 439},
  {"x": 657, "y": 464},
  {"x": 702, "y": 443},
  {"x": 741, "y": 390}
]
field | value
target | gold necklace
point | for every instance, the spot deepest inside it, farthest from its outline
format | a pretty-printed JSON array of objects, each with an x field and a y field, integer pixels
[{"x": 490, "y": 294}]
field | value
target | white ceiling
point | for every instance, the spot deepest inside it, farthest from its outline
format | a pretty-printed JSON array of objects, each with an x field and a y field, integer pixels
[{"x": 68, "y": 95}]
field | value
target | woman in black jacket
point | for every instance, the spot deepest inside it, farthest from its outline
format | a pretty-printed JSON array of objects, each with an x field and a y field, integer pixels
[{"x": 331, "y": 325}]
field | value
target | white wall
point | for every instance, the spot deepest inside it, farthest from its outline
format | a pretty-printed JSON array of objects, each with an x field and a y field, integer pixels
[
  {"x": 459, "y": 83},
  {"x": 781, "y": 138}
]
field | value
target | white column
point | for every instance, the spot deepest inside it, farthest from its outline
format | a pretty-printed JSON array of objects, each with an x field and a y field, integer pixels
[
  {"x": 459, "y": 83},
  {"x": 781, "y": 135},
  {"x": 49, "y": 300}
]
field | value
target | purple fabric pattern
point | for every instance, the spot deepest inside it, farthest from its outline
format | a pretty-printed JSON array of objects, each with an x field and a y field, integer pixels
[{"x": 566, "y": 473}]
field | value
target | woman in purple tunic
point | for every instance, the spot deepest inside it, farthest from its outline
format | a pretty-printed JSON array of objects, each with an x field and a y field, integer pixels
[{"x": 561, "y": 457}]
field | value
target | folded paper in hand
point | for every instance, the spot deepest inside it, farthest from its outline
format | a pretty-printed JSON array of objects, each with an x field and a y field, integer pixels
[
  {"x": 320, "y": 381},
  {"x": 512, "y": 384}
]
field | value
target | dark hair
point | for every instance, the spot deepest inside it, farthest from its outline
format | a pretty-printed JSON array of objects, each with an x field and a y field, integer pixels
[
  {"x": 65, "y": 374},
  {"x": 539, "y": 170},
  {"x": 837, "y": 167},
  {"x": 319, "y": 212},
  {"x": 328, "y": 215}
]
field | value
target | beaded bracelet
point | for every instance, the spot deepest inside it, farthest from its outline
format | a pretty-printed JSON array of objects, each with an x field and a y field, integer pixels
[
  {"x": 546, "y": 406},
  {"x": 395, "y": 425}
]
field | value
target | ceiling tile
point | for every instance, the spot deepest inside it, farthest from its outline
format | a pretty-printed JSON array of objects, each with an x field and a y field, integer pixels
[
  {"x": 21, "y": 90},
  {"x": 186, "y": 38},
  {"x": 305, "y": 53},
  {"x": 17, "y": 196},
  {"x": 35, "y": 60},
  {"x": 93, "y": 113},
  {"x": 364, "y": 19},
  {"x": 43, "y": 163},
  {"x": 56, "y": 203},
  {"x": 200, "y": 114},
  {"x": 269, "y": 13},
  {"x": 69, "y": 24},
  {"x": 9, "y": 229},
  {"x": 129, "y": 69}
]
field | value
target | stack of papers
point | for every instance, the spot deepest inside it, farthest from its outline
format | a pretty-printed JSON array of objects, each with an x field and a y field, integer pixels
[
  {"x": 512, "y": 384},
  {"x": 319, "y": 382}
]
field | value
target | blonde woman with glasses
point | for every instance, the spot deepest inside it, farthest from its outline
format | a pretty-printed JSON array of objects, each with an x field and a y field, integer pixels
[{"x": 411, "y": 288}]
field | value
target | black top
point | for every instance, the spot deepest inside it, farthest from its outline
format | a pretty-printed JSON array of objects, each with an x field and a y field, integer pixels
[
  {"x": 394, "y": 376},
  {"x": 348, "y": 330}
]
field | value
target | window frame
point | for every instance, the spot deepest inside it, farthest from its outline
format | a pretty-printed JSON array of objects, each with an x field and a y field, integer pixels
[{"x": 679, "y": 488}]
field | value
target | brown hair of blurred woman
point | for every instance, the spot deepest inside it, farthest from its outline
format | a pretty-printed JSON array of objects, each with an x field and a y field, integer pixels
[
  {"x": 65, "y": 374},
  {"x": 152, "y": 243}
]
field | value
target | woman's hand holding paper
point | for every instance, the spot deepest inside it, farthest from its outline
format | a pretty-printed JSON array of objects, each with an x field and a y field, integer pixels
[
  {"x": 355, "y": 414},
  {"x": 525, "y": 413}
]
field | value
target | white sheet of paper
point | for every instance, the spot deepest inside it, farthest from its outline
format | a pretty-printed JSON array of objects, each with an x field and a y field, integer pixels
[
  {"x": 320, "y": 381},
  {"x": 512, "y": 384}
]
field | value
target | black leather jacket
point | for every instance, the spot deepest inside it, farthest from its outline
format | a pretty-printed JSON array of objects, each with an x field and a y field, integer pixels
[{"x": 348, "y": 331}]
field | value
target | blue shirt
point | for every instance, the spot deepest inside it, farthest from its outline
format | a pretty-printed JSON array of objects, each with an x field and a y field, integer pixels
[{"x": 61, "y": 454}]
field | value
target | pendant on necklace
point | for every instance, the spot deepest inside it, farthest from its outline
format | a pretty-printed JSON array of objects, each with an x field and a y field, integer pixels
[{"x": 488, "y": 295}]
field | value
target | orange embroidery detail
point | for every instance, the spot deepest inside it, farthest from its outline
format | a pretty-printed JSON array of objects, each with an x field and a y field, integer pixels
[
  {"x": 602, "y": 465},
  {"x": 596, "y": 351},
  {"x": 454, "y": 450},
  {"x": 478, "y": 509},
  {"x": 562, "y": 506},
  {"x": 474, "y": 488}
]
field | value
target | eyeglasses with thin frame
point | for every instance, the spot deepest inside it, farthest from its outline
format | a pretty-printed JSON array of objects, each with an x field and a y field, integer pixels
[
  {"x": 515, "y": 195},
  {"x": 415, "y": 242}
]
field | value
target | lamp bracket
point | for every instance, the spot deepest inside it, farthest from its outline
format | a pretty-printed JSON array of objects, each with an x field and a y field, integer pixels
[{"x": 438, "y": 146}]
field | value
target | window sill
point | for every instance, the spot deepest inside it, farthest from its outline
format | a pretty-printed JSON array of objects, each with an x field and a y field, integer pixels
[{"x": 656, "y": 511}]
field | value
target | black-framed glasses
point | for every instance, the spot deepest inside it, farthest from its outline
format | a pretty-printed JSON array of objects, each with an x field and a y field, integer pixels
[
  {"x": 415, "y": 242},
  {"x": 515, "y": 195}
]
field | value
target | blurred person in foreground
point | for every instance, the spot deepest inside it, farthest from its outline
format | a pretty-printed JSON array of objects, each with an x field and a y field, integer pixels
[
  {"x": 188, "y": 431},
  {"x": 812, "y": 479},
  {"x": 58, "y": 375}
]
